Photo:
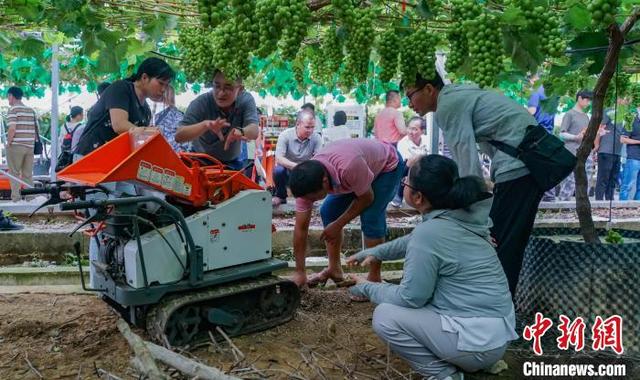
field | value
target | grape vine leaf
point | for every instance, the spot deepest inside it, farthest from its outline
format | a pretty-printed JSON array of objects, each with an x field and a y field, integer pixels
[
  {"x": 513, "y": 16},
  {"x": 31, "y": 47},
  {"x": 578, "y": 17},
  {"x": 525, "y": 52},
  {"x": 550, "y": 104},
  {"x": 107, "y": 61},
  {"x": 423, "y": 10}
]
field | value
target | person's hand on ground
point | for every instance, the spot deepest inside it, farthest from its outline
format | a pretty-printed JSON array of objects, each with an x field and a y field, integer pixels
[
  {"x": 368, "y": 260},
  {"x": 299, "y": 278},
  {"x": 358, "y": 279}
]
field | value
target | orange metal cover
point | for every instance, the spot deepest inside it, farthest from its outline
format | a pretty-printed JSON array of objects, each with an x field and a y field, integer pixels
[{"x": 149, "y": 159}]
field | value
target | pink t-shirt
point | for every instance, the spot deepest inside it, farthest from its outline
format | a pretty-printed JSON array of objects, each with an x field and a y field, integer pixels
[
  {"x": 387, "y": 125},
  {"x": 353, "y": 164}
]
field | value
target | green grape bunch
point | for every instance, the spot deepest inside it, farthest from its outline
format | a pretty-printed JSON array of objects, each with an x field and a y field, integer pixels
[
  {"x": 345, "y": 11},
  {"x": 388, "y": 45},
  {"x": 271, "y": 16},
  {"x": 243, "y": 12},
  {"x": 196, "y": 53},
  {"x": 458, "y": 46},
  {"x": 229, "y": 56},
  {"x": 551, "y": 42},
  {"x": 298, "y": 66},
  {"x": 603, "y": 12},
  {"x": 327, "y": 60},
  {"x": 418, "y": 54},
  {"x": 465, "y": 10},
  {"x": 358, "y": 47},
  {"x": 211, "y": 12},
  {"x": 295, "y": 29},
  {"x": 539, "y": 18},
  {"x": 485, "y": 48}
]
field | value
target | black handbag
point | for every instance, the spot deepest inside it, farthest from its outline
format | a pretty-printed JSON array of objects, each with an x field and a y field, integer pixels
[
  {"x": 37, "y": 144},
  {"x": 543, "y": 154}
]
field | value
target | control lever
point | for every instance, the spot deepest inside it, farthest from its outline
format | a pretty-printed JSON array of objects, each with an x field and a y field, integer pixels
[
  {"x": 52, "y": 189},
  {"x": 76, "y": 248}
]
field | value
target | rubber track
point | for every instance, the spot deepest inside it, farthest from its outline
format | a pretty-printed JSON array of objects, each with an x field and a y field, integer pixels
[{"x": 159, "y": 314}]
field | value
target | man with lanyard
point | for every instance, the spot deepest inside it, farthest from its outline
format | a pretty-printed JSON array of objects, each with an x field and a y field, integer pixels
[
  {"x": 219, "y": 120},
  {"x": 470, "y": 117}
]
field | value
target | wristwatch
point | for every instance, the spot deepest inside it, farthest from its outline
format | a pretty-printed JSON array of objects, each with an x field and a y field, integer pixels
[{"x": 241, "y": 130}]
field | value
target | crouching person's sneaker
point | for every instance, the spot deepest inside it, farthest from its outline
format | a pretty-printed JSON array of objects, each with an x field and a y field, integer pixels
[{"x": 6, "y": 224}]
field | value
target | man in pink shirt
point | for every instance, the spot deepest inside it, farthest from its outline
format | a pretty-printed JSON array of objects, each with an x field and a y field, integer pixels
[
  {"x": 389, "y": 124},
  {"x": 361, "y": 177}
]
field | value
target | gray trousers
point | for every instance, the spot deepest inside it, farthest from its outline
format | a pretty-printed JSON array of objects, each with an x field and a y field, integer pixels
[
  {"x": 416, "y": 335},
  {"x": 568, "y": 186}
]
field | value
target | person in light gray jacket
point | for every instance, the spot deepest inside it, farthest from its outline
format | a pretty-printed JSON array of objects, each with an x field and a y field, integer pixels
[
  {"x": 471, "y": 117},
  {"x": 452, "y": 311}
]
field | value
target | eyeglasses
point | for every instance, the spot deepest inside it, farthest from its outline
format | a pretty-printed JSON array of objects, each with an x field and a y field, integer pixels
[
  {"x": 405, "y": 182},
  {"x": 224, "y": 88},
  {"x": 412, "y": 93}
]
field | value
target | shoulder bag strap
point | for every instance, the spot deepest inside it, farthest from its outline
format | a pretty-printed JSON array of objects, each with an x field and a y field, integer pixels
[{"x": 508, "y": 149}]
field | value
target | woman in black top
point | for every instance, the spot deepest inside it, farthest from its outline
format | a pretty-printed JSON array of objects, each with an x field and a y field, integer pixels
[{"x": 123, "y": 105}]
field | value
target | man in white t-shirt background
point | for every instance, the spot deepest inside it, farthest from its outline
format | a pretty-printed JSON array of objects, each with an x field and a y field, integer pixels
[{"x": 411, "y": 147}]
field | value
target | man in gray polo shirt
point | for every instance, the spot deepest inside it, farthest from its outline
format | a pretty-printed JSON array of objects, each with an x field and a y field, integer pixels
[
  {"x": 295, "y": 145},
  {"x": 574, "y": 124},
  {"x": 219, "y": 120}
]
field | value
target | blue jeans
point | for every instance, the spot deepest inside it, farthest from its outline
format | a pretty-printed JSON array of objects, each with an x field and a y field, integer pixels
[
  {"x": 236, "y": 164},
  {"x": 374, "y": 217},
  {"x": 280, "y": 179},
  {"x": 630, "y": 179}
]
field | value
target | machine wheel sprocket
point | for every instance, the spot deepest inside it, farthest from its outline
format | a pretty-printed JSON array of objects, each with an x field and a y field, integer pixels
[
  {"x": 183, "y": 325},
  {"x": 268, "y": 301}
]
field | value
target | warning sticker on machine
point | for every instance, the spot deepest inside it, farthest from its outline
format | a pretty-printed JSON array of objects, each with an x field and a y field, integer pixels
[
  {"x": 178, "y": 184},
  {"x": 144, "y": 171},
  {"x": 186, "y": 189},
  {"x": 156, "y": 175},
  {"x": 165, "y": 178},
  {"x": 214, "y": 235},
  {"x": 168, "y": 178}
]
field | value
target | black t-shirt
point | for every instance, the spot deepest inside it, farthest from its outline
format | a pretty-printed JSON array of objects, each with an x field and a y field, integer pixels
[
  {"x": 98, "y": 131},
  {"x": 633, "y": 150}
]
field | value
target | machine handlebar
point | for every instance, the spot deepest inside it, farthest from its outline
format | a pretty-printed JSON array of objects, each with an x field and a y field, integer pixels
[
  {"x": 79, "y": 205},
  {"x": 35, "y": 190}
]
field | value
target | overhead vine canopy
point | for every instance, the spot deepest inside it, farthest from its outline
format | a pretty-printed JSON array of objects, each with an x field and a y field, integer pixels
[{"x": 313, "y": 46}]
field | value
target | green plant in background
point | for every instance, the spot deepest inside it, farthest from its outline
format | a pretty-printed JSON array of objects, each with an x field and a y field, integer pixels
[
  {"x": 10, "y": 216},
  {"x": 614, "y": 237},
  {"x": 70, "y": 259}
]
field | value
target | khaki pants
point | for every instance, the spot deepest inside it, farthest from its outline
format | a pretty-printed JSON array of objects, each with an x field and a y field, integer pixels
[{"x": 20, "y": 161}]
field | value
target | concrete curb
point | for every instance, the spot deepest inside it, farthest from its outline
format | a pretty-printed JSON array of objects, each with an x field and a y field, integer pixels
[
  {"x": 28, "y": 244},
  {"x": 27, "y": 276},
  {"x": 17, "y": 247},
  {"x": 55, "y": 276}
]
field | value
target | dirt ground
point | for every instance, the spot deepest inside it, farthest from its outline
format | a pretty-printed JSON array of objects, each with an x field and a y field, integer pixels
[
  {"x": 45, "y": 336},
  {"x": 74, "y": 336}
]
